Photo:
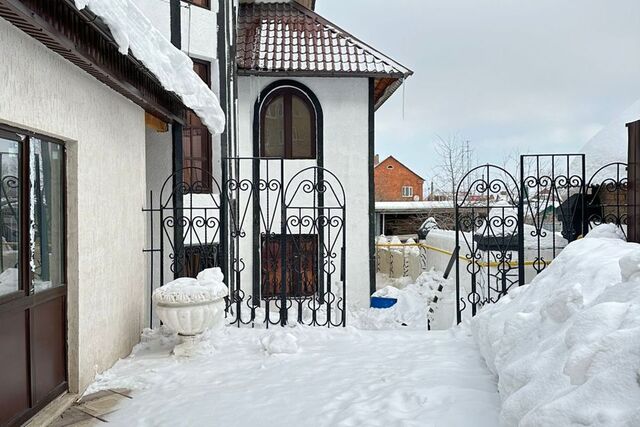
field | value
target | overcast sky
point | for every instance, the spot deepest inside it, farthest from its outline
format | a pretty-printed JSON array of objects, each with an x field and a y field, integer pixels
[{"x": 531, "y": 76}]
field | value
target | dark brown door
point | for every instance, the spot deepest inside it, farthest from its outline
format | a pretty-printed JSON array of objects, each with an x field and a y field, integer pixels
[
  {"x": 33, "y": 289},
  {"x": 301, "y": 265}
]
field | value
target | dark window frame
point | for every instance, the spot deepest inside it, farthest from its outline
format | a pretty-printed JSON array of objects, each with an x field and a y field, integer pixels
[
  {"x": 302, "y": 255},
  {"x": 205, "y": 159},
  {"x": 287, "y": 93},
  {"x": 26, "y": 286},
  {"x": 206, "y": 3}
]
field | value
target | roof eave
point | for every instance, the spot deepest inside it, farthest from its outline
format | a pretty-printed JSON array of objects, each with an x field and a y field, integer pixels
[
  {"x": 54, "y": 27},
  {"x": 319, "y": 73},
  {"x": 391, "y": 89}
]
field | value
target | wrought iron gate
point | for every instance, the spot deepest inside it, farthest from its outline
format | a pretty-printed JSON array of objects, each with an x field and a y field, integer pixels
[
  {"x": 488, "y": 229},
  {"x": 275, "y": 227},
  {"x": 553, "y": 196},
  {"x": 508, "y": 230},
  {"x": 607, "y": 201}
]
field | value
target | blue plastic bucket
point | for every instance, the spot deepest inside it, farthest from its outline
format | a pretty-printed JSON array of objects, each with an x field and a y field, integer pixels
[{"x": 382, "y": 302}]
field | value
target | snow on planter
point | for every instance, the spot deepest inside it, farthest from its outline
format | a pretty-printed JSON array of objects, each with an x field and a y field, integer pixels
[
  {"x": 566, "y": 348},
  {"x": 133, "y": 31},
  {"x": 187, "y": 290},
  {"x": 191, "y": 306}
]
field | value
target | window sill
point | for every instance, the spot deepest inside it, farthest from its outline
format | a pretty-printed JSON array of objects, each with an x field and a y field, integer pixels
[{"x": 208, "y": 7}]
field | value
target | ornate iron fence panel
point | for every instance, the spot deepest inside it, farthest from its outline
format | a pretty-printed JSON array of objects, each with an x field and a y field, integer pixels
[
  {"x": 288, "y": 234},
  {"x": 488, "y": 218},
  {"x": 316, "y": 220},
  {"x": 552, "y": 188},
  {"x": 507, "y": 232},
  {"x": 606, "y": 197},
  {"x": 185, "y": 226},
  {"x": 275, "y": 227}
]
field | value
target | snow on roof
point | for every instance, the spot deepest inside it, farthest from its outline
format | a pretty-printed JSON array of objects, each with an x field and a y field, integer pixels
[
  {"x": 413, "y": 206},
  {"x": 132, "y": 30},
  {"x": 610, "y": 144}
]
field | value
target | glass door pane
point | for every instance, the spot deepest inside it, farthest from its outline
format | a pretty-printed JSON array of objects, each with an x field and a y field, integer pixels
[
  {"x": 10, "y": 211},
  {"x": 47, "y": 214}
]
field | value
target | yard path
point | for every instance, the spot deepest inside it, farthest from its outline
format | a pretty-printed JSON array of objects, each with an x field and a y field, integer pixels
[{"x": 338, "y": 377}]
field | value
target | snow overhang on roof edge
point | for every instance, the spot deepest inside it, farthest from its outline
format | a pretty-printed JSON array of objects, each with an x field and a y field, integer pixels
[{"x": 134, "y": 32}]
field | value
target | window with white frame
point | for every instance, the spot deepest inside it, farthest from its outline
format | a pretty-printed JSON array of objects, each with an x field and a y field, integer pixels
[{"x": 407, "y": 191}]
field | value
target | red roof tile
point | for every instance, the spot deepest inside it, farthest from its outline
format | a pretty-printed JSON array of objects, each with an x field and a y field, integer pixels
[{"x": 289, "y": 38}]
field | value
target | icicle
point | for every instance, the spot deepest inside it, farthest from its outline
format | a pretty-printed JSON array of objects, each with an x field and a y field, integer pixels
[{"x": 403, "y": 97}]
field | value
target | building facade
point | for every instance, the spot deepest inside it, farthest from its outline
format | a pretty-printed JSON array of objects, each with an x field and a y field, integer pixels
[
  {"x": 397, "y": 183},
  {"x": 131, "y": 191},
  {"x": 76, "y": 120},
  {"x": 293, "y": 165}
]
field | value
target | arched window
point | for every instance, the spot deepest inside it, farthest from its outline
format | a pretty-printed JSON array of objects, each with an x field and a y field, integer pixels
[{"x": 288, "y": 124}]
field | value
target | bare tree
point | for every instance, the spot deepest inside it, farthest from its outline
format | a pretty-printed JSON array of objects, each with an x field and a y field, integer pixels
[{"x": 454, "y": 157}]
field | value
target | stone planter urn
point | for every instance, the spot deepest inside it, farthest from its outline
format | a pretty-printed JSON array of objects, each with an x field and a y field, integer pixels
[{"x": 192, "y": 306}]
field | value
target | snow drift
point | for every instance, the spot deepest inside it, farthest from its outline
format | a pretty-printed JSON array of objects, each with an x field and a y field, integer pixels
[{"x": 566, "y": 347}]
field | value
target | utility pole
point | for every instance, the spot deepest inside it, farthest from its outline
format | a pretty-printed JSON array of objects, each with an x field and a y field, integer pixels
[{"x": 467, "y": 153}]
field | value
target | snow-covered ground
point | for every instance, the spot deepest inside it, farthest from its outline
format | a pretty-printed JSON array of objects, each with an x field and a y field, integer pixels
[
  {"x": 308, "y": 377},
  {"x": 562, "y": 351}
]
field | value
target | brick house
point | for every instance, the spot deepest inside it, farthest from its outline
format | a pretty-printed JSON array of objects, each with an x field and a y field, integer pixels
[{"x": 394, "y": 182}]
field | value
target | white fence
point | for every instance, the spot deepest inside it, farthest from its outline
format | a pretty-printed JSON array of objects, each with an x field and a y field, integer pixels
[{"x": 397, "y": 260}]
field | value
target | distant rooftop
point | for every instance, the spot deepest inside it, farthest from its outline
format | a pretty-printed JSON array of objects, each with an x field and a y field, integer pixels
[
  {"x": 287, "y": 38},
  {"x": 412, "y": 207}
]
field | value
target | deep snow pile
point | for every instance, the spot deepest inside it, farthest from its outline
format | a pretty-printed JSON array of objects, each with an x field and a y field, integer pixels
[
  {"x": 567, "y": 346},
  {"x": 133, "y": 31}
]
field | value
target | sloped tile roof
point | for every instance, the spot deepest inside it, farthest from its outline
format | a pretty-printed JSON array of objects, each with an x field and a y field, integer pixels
[{"x": 289, "y": 38}]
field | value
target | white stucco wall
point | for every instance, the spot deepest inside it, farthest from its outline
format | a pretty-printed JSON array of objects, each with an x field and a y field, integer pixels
[
  {"x": 159, "y": 149},
  {"x": 344, "y": 103},
  {"x": 42, "y": 91}
]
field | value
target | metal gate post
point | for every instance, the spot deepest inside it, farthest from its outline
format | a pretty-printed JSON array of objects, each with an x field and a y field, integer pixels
[
  {"x": 457, "y": 225},
  {"x": 223, "y": 233},
  {"x": 522, "y": 197},
  {"x": 283, "y": 250}
]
